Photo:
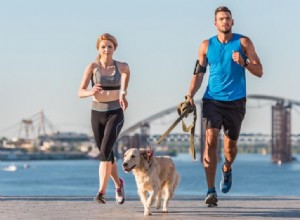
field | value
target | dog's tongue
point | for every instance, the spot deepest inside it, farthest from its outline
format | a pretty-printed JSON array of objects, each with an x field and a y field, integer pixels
[{"x": 128, "y": 169}]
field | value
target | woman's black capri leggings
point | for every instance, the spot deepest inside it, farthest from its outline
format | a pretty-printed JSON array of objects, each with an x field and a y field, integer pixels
[{"x": 106, "y": 127}]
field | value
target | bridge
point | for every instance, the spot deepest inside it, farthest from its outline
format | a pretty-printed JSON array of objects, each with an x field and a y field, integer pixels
[
  {"x": 139, "y": 133},
  {"x": 280, "y": 127}
]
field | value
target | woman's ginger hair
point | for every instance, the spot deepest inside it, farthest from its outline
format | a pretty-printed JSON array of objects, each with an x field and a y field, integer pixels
[{"x": 106, "y": 36}]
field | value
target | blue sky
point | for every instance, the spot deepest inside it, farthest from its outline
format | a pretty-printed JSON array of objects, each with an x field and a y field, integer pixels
[{"x": 46, "y": 45}]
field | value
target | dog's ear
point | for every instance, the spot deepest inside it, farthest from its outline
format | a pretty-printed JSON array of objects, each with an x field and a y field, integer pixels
[
  {"x": 147, "y": 154},
  {"x": 144, "y": 154},
  {"x": 150, "y": 154}
]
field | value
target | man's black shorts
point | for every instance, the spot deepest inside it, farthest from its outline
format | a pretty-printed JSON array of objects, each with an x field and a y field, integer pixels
[{"x": 228, "y": 114}]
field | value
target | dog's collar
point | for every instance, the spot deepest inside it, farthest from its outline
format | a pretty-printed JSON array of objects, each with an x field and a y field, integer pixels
[
  {"x": 150, "y": 164},
  {"x": 149, "y": 154}
]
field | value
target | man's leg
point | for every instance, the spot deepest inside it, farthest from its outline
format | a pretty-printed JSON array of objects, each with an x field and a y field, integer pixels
[
  {"x": 230, "y": 152},
  {"x": 210, "y": 157},
  {"x": 210, "y": 160}
]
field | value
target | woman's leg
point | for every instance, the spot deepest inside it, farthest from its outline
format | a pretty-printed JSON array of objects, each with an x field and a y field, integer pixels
[
  {"x": 105, "y": 170},
  {"x": 112, "y": 130},
  {"x": 115, "y": 176}
]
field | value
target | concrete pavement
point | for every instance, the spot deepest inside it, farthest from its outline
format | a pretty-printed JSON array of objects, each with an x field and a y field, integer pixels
[{"x": 179, "y": 208}]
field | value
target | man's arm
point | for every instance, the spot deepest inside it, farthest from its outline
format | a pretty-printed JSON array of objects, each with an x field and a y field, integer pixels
[
  {"x": 254, "y": 66},
  {"x": 199, "y": 72},
  {"x": 195, "y": 84}
]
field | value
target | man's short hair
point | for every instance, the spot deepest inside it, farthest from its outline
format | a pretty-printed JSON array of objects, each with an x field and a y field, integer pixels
[{"x": 222, "y": 8}]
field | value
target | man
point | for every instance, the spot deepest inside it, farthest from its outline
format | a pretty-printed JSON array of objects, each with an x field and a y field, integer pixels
[{"x": 224, "y": 102}]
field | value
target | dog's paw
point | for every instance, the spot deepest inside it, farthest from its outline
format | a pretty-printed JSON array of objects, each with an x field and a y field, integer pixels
[
  {"x": 147, "y": 213},
  {"x": 158, "y": 205},
  {"x": 149, "y": 203},
  {"x": 165, "y": 210}
]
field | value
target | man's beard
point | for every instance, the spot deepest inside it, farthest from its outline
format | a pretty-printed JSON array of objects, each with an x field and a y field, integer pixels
[{"x": 226, "y": 31}]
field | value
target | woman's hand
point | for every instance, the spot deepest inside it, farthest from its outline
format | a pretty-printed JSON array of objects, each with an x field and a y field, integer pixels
[
  {"x": 123, "y": 102},
  {"x": 96, "y": 89}
]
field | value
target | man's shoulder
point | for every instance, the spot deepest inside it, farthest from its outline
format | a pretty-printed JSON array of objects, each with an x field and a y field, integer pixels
[
  {"x": 205, "y": 43},
  {"x": 241, "y": 36},
  {"x": 245, "y": 41},
  {"x": 212, "y": 37}
]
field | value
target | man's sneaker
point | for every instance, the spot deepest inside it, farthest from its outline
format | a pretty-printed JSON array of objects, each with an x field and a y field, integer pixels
[
  {"x": 120, "y": 194},
  {"x": 211, "y": 199},
  {"x": 99, "y": 198},
  {"x": 226, "y": 181}
]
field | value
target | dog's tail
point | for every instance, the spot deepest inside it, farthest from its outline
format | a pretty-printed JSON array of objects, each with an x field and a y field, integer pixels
[
  {"x": 177, "y": 180},
  {"x": 170, "y": 187}
]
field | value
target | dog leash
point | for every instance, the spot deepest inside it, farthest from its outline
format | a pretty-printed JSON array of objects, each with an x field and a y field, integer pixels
[{"x": 183, "y": 109}]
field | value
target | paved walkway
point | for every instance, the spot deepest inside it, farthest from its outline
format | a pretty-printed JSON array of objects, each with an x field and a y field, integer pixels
[{"x": 179, "y": 208}]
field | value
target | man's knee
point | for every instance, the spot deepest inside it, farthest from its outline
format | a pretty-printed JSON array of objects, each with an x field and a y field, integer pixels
[
  {"x": 228, "y": 142},
  {"x": 230, "y": 146},
  {"x": 212, "y": 136}
]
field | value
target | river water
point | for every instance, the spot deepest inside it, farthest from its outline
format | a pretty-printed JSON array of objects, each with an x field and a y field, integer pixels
[{"x": 253, "y": 175}]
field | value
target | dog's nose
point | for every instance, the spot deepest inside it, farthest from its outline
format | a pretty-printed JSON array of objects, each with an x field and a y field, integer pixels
[{"x": 125, "y": 164}]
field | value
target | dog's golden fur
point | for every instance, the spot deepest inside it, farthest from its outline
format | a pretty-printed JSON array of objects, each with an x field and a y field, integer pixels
[{"x": 156, "y": 176}]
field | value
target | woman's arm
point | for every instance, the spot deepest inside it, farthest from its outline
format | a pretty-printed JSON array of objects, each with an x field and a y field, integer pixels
[
  {"x": 125, "y": 76},
  {"x": 83, "y": 92}
]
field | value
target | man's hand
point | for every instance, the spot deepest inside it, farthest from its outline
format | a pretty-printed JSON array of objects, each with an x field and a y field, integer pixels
[
  {"x": 236, "y": 56},
  {"x": 190, "y": 99}
]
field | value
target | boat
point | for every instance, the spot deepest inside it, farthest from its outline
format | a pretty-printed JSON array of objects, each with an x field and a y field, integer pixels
[{"x": 10, "y": 168}]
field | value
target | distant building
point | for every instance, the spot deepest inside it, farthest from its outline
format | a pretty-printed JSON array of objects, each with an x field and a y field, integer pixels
[
  {"x": 66, "y": 141},
  {"x": 174, "y": 137}
]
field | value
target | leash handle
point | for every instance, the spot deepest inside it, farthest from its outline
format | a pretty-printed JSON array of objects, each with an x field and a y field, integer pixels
[
  {"x": 184, "y": 114},
  {"x": 183, "y": 110}
]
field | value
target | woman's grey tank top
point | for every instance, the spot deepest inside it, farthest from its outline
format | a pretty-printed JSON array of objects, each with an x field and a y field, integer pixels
[{"x": 107, "y": 82}]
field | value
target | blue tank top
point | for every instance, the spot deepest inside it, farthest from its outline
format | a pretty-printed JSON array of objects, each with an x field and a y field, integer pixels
[{"x": 227, "y": 80}]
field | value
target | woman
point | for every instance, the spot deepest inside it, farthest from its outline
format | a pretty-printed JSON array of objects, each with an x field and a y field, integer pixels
[{"x": 109, "y": 80}]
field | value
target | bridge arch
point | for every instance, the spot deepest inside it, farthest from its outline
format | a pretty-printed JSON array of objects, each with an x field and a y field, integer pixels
[
  {"x": 280, "y": 123},
  {"x": 152, "y": 118}
]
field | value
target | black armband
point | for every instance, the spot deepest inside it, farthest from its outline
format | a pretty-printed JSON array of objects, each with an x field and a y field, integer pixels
[{"x": 199, "y": 68}]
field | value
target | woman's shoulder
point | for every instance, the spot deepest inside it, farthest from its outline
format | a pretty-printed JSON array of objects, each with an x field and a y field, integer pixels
[
  {"x": 120, "y": 63},
  {"x": 123, "y": 66},
  {"x": 91, "y": 66},
  {"x": 94, "y": 64}
]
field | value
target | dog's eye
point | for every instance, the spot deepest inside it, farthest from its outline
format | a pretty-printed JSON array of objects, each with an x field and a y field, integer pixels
[{"x": 132, "y": 156}]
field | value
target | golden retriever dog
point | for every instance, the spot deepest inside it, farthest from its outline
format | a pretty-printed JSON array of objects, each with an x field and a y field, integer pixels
[{"x": 154, "y": 176}]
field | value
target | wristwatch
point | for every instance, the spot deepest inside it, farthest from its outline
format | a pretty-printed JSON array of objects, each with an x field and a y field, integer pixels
[
  {"x": 246, "y": 64},
  {"x": 123, "y": 92}
]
